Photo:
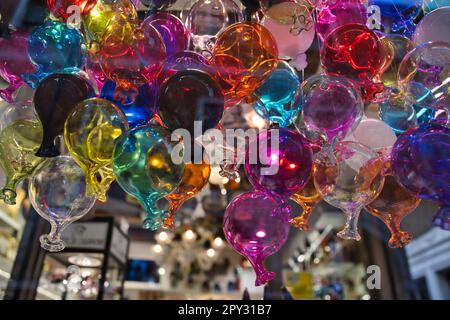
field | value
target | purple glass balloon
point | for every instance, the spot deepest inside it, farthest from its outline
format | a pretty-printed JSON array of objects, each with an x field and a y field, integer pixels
[
  {"x": 339, "y": 13},
  {"x": 256, "y": 226},
  {"x": 14, "y": 61},
  {"x": 421, "y": 163},
  {"x": 331, "y": 105},
  {"x": 172, "y": 30},
  {"x": 278, "y": 161}
]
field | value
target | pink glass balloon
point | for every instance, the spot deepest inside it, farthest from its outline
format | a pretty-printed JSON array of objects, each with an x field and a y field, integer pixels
[
  {"x": 435, "y": 26},
  {"x": 256, "y": 226},
  {"x": 339, "y": 13},
  {"x": 278, "y": 161},
  {"x": 292, "y": 39},
  {"x": 14, "y": 62},
  {"x": 332, "y": 105}
]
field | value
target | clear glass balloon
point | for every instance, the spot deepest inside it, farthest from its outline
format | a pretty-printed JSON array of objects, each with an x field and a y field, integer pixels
[
  {"x": 20, "y": 137},
  {"x": 90, "y": 133},
  {"x": 428, "y": 68},
  {"x": 332, "y": 105},
  {"x": 349, "y": 178},
  {"x": 256, "y": 226},
  {"x": 57, "y": 192},
  {"x": 283, "y": 11},
  {"x": 207, "y": 18},
  {"x": 434, "y": 26}
]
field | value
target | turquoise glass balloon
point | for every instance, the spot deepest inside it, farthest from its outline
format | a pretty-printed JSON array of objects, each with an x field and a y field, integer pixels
[
  {"x": 144, "y": 167},
  {"x": 279, "y": 97},
  {"x": 55, "y": 48}
]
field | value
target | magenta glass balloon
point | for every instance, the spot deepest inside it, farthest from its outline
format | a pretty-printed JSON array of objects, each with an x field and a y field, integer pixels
[
  {"x": 14, "y": 61},
  {"x": 278, "y": 161},
  {"x": 172, "y": 30},
  {"x": 332, "y": 105},
  {"x": 256, "y": 226},
  {"x": 421, "y": 163},
  {"x": 339, "y": 13}
]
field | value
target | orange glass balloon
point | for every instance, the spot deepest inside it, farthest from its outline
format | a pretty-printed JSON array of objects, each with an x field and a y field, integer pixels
[
  {"x": 195, "y": 177},
  {"x": 245, "y": 54},
  {"x": 307, "y": 198},
  {"x": 391, "y": 206}
]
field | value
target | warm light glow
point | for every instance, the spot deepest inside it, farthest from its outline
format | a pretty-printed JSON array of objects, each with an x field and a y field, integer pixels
[
  {"x": 211, "y": 252},
  {"x": 161, "y": 271},
  {"x": 163, "y": 236},
  {"x": 157, "y": 248},
  {"x": 218, "y": 242},
  {"x": 301, "y": 258},
  {"x": 189, "y": 235},
  {"x": 292, "y": 166}
]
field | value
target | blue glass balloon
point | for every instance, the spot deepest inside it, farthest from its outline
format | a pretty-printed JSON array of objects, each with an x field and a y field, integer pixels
[
  {"x": 55, "y": 48},
  {"x": 397, "y": 15},
  {"x": 402, "y": 114},
  {"x": 139, "y": 111},
  {"x": 144, "y": 167},
  {"x": 421, "y": 163},
  {"x": 279, "y": 97}
]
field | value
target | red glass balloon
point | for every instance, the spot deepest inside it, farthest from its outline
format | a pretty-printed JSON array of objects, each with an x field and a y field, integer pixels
[
  {"x": 356, "y": 52},
  {"x": 62, "y": 8}
]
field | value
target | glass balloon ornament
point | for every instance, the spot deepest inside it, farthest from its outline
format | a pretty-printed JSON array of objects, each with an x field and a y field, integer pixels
[
  {"x": 207, "y": 18},
  {"x": 144, "y": 167},
  {"x": 307, "y": 197},
  {"x": 425, "y": 72},
  {"x": 331, "y": 105},
  {"x": 391, "y": 206},
  {"x": 282, "y": 11},
  {"x": 399, "y": 46},
  {"x": 354, "y": 51},
  {"x": 57, "y": 192},
  {"x": 278, "y": 161},
  {"x": 190, "y": 98},
  {"x": 279, "y": 97},
  {"x": 14, "y": 61},
  {"x": 397, "y": 16},
  {"x": 244, "y": 54},
  {"x": 54, "y": 99},
  {"x": 131, "y": 56},
  {"x": 256, "y": 226},
  {"x": 293, "y": 40},
  {"x": 194, "y": 179},
  {"x": 20, "y": 137},
  {"x": 103, "y": 14},
  {"x": 138, "y": 111},
  {"x": 90, "y": 134},
  {"x": 349, "y": 178},
  {"x": 55, "y": 48},
  {"x": 435, "y": 26},
  {"x": 339, "y": 13},
  {"x": 64, "y": 8},
  {"x": 420, "y": 163},
  {"x": 172, "y": 31}
]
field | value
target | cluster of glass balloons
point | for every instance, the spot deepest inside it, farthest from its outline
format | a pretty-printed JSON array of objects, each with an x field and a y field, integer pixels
[{"x": 118, "y": 88}]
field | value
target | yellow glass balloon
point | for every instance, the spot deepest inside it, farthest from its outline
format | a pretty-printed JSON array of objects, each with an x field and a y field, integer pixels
[
  {"x": 307, "y": 198},
  {"x": 90, "y": 133},
  {"x": 396, "y": 48},
  {"x": 105, "y": 13},
  {"x": 20, "y": 137},
  {"x": 194, "y": 179}
]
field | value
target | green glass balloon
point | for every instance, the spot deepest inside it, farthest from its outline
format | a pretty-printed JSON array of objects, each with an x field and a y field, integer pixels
[
  {"x": 144, "y": 168},
  {"x": 20, "y": 138}
]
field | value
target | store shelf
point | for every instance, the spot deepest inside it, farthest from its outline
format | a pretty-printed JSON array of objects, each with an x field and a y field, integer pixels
[{"x": 7, "y": 220}]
